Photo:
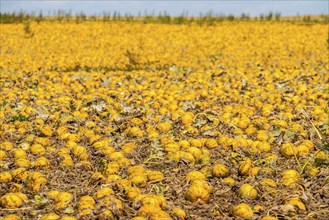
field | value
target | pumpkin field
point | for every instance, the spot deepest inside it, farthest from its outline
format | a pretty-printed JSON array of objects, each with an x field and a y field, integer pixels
[{"x": 156, "y": 121}]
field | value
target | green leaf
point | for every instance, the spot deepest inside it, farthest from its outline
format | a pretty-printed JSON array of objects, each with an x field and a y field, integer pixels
[
  {"x": 40, "y": 200},
  {"x": 68, "y": 210},
  {"x": 289, "y": 133},
  {"x": 233, "y": 154}
]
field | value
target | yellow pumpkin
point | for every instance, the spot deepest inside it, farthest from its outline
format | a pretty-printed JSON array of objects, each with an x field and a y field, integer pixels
[
  {"x": 184, "y": 144},
  {"x": 115, "y": 156},
  {"x": 186, "y": 156},
  {"x": 62, "y": 200},
  {"x": 5, "y": 177},
  {"x": 288, "y": 150},
  {"x": 195, "y": 175},
  {"x": 309, "y": 144},
  {"x": 68, "y": 218},
  {"x": 151, "y": 200},
  {"x": 35, "y": 180},
  {"x": 135, "y": 132},
  {"x": 207, "y": 171},
  {"x": 321, "y": 156},
  {"x": 269, "y": 218},
  {"x": 164, "y": 126},
  {"x": 20, "y": 174},
  {"x": 245, "y": 166},
  {"x": 139, "y": 218},
  {"x": 296, "y": 202},
  {"x": 107, "y": 150},
  {"x": 86, "y": 202},
  {"x": 248, "y": 191},
  {"x": 196, "y": 152},
  {"x": 254, "y": 171},
  {"x": 132, "y": 192},
  {"x": 268, "y": 184},
  {"x": 264, "y": 147},
  {"x": 111, "y": 168},
  {"x": 172, "y": 147},
  {"x": 13, "y": 200},
  {"x": 107, "y": 214},
  {"x": 11, "y": 217},
  {"x": 113, "y": 178},
  {"x": 160, "y": 215},
  {"x": 220, "y": 170},
  {"x": 22, "y": 162},
  {"x": 262, "y": 135},
  {"x": 50, "y": 216},
  {"x": 211, "y": 143},
  {"x": 195, "y": 143},
  {"x": 229, "y": 181},
  {"x": 52, "y": 194},
  {"x": 257, "y": 208},
  {"x": 290, "y": 178},
  {"x": 19, "y": 153},
  {"x": 138, "y": 179},
  {"x": 155, "y": 176},
  {"x": 178, "y": 214},
  {"x": 3, "y": 155},
  {"x": 106, "y": 191},
  {"x": 135, "y": 169},
  {"x": 77, "y": 150},
  {"x": 8, "y": 146},
  {"x": 311, "y": 171},
  {"x": 15, "y": 187},
  {"x": 38, "y": 149},
  {"x": 67, "y": 162},
  {"x": 303, "y": 150},
  {"x": 47, "y": 131},
  {"x": 148, "y": 209},
  {"x": 128, "y": 148},
  {"x": 41, "y": 163},
  {"x": 187, "y": 118},
  {"x": 199, "y": 191},
  {"x": 243, "y": 211}
]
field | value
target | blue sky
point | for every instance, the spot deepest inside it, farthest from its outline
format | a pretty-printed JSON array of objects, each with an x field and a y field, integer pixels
[{"x": 172, "y": 7}]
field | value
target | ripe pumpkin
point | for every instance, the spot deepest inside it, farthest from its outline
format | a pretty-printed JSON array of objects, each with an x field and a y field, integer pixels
[
  {"x": 13, "y": 200},
  {"x": 38, "y": 149},
  {"x": 211, "y": 143},
  {"x": 245, "y": 166},
  {"x": 199, "y": 191},
  {"x": 50, "y": 216},
  {"x": 35, "y": 180},
  {"x": 86, "y": 202},
  {"x": 178, "y": 214},
  {"x": 148, "y": 209},
  {"x": 5, "y": 177},
  {"x": 243, "y": 211},
  {"x": 296, "y": 202},
  {"x": 290, "y": 178},
  {"x": 138, "y": 179},
  {"x": 195, "y": 175},
  {"x": 11, "y": 217},
  {"x": 41, "y": 163},
  {"x": 220, "y": 170},
  {"x": 106, "y": 191},
  {"x": 155, "y": 175},
  {"x": 248, "y": 191},
  {"x": 288, "y": 150}
]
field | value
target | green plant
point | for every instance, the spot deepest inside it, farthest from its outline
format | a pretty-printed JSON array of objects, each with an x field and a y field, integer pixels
[{"x": 20, "y": 118}]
